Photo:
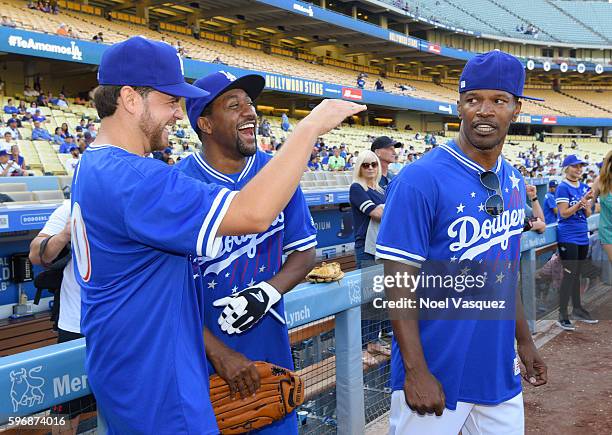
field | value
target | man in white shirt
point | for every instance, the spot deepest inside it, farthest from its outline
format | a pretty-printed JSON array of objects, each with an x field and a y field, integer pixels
[
  {"x": 8, "y": 167},
  {"x": 56, "y": 236},
  {"x": 74, "y": 160}
]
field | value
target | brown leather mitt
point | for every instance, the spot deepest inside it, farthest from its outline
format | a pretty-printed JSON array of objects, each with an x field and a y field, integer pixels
[
  {"x": 279, "y": 393},
  {"x": 326, "y": 272}
]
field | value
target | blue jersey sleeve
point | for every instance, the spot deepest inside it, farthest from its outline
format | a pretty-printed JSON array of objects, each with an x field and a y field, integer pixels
[
  {"x": 408, "y": 219},
  {"x": 174, "y": 212},
  {"x": 562, "y": 194},
  {"x": 300, "y": 233},
  {"x": 360, "y": 199}
]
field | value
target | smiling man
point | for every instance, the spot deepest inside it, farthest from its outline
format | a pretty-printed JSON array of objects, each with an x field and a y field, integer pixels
[
  {"x": 248, "y": 277},
  {"x": 462, "y": 207},
  {"x": 141, "y": 310}
]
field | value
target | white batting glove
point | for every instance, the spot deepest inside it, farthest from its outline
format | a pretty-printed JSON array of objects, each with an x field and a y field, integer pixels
[{"x": 246, "y": 307}]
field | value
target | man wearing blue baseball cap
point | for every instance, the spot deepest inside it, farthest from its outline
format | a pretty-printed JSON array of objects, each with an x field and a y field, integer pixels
[
  {"x": 141, "y": 314},
  {"x": 241, "y": 327},
  {"x": 466, "y": 215},
  {"x": 550, "y": 204}
]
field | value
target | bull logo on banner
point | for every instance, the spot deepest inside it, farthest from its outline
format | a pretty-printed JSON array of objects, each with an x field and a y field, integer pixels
[{"x": 26, "y": 389}]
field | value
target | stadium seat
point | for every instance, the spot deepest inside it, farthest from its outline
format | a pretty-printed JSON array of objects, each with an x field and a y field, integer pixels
[
  {"x": 21, "y": 196},
  {"x": 42, "y": 195},
  {"x": 13, "y": 187}
]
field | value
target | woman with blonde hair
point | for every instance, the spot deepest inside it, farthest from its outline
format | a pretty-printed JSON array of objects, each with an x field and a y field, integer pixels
[
  {"x": 573, "y": 200},
  {"x": 367, "y": 200},
  {"x": 602, "y": 189}
]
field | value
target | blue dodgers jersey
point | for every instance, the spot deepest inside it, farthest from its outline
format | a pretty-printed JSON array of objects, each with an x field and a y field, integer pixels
[
  {"x": 550, "y": 217},
  {"x": 246, "y": 260},
  {"x": 135, "y": 221},
  {"x": 575, "y": 228},
  {"x": 435, "y": 212}
]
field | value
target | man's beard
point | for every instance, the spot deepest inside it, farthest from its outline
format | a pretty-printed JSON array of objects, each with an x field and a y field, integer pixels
[
  {"x": 154, "y": 133},
  {"x": 244, "y": 149}
]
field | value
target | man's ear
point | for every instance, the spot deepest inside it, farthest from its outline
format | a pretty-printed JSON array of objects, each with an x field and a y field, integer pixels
[
  {"x": 204, "y": 125},
  {"x": 129, "y": 99},
  {"x": 517, "y": 109},
  {"x": 459, "y": 108}
]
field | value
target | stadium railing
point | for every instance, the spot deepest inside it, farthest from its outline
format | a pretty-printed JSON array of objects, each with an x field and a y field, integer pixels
[{"x": 324, "y": 319}]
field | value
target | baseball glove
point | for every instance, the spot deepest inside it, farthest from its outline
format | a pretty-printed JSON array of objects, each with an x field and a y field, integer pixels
[
  {"x": 280, "y": 392},
  {"x": 326, "y": 272}
]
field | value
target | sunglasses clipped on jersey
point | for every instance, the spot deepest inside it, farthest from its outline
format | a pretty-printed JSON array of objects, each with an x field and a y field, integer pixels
[
  {"x": 494, "y": 205},
  {"x": 366, "y": 165}
]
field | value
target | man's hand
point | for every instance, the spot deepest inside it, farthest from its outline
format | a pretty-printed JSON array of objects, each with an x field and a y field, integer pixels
[
  {"x": 330, "y": 113},
  {"x": 532, "y": 192},
  {"x": 536, "y": 372},
  {"x": 246, "y": 307},
  {"x": 423, "y": 392},
  {"x": 238, "y": 371}
]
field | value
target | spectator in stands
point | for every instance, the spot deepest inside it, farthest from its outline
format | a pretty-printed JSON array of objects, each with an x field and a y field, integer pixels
[
  {"x": 10, "y": 108},
  {"x": 22, "y": 107},
  {"x": 87, "y": 139},
  {"x": 27, "y": 117},
  {"x": 62, "y": 30},
  {"x": 40, "y": 133},
  {"x": 8, "y": 168},
  {"x": 574, "y": 204},
  {"x": 384, "y": 148},
  {"x": 13, "y": 129},
  {"x": 61, "y": 101},
  {"x": 314, "y": 164},
  {"x": 166, "y": 153},
  {"x": 99, "y": 38},
  {"x": 602, "y": 190},
  {"x": 336, "y": 162},
  {"x": 65, "y": 132},
  {"x": 51, "y": 247},
  {"x": 7, "y": 22},
  {"x": 7, "y": 143},
  {"x": 17, "y": 157},
  {"x": 550, "y": 204},
  {"x": 285, "y": 125},
  {"x": 534, "y": 215},
  {"x": 33, "y": 107},
  {"x": 57, "y": 136},
  {"x": 68, "y": 143},
  {"x": 266, "y": 129},
  {"x": 367, "y": 199},
  {"x": 74, "y": 160},
  {"x": 379, "y": 85},
  {"x": 72, "y": 33},
  {"x": 14, "y": 119},
  {"x": 91, "y": 129},
  {"x": 360, "y": 82}
]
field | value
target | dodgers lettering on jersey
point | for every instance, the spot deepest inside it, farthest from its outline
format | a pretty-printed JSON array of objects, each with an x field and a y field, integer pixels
[
  {"x": 246, "y": 260},
  {"x": 435, "y": 218},
  {"x": 573, "y": 229},
  {"x": 134, "y": 223}
]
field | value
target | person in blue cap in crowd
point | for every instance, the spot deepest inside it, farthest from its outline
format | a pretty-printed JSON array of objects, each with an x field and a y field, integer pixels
[
  {"x": 574, "y": 201},
  {"x": 461, "y": 208},
  {"x": 141, "y": 310},
  {"x": 226, "y": 123},
  {"x": 550, "y": 204}
]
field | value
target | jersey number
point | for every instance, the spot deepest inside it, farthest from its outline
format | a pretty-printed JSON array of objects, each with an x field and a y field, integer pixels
[{"x": 80, "y": 244}]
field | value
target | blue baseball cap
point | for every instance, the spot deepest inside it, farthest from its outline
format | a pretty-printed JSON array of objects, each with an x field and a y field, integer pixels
[
  {"x": 216, "y": 84},
  {"x": 142, "y": 62},
  {"x": 168, "y": 150},
  {"x": 3, "y": 153},
  {"x": 553, "y": 183},
  {"x": 494, "y": 70},
  {"x": 73, "y": 147},
  {"x": 599, "y": 164},
  {"x": 572, "y": 160}
]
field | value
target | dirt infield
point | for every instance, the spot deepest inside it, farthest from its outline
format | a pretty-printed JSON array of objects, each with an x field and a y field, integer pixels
[{"x": 578, "y": 396}]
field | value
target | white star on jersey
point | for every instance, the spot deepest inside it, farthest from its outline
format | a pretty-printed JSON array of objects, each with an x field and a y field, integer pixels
[
  {"x": 473, "y": 194},
  {"x": 227, "y": 275},
  {"x": 515, "y": 181},
  {"x": 251, "y": 282},
  {"x": 212, "y": 284},
  {"x": 481, "y": 207},
  {"x": 460, "y": 207},
  {"x": 234, "y": 289},
  {"x": 262, "y": 268},
  {"x": 500, "y": 277}
]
